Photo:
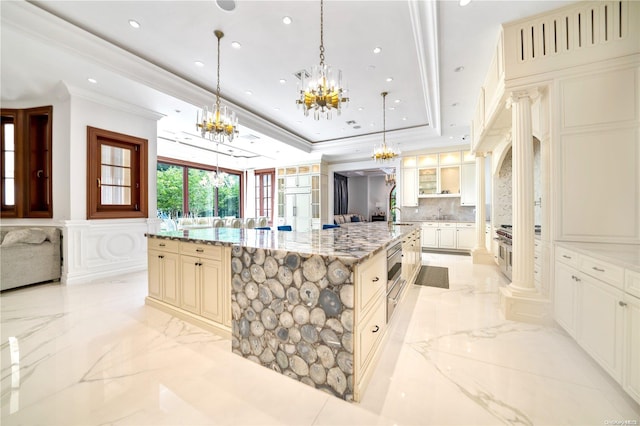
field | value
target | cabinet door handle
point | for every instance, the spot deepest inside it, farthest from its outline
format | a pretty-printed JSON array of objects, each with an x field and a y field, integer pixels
[
  {"x": 621, "y": 303},
  {"x": 375, "y": 329},
  {"x": 597, "y": 269},
  {"x": 566, "y": 257},
  {"x": 199, "y": 250},
  {"x": 161, "y": 245},
  {"x": 161, "y": 257},
  {"x": 376, "y": 279}
]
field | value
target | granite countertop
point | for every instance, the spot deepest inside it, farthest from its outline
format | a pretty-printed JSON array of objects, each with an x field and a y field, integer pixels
[
  {"x": 624, "y": 255},
  {"x": 356, "y": 241}
]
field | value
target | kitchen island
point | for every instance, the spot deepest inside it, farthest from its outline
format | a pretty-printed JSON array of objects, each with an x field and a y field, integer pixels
[{"x": 309, "y": 305}]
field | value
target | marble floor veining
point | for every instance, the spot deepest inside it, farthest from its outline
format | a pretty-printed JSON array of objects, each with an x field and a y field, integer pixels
[{"x": 95, "y": 354}]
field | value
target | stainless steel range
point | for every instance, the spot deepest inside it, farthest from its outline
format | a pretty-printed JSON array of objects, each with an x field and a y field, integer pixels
[{"x": 505, "y": 252}]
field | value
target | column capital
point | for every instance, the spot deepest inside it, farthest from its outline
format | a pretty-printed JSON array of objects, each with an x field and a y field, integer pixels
[{"x": 515, "y": 96}]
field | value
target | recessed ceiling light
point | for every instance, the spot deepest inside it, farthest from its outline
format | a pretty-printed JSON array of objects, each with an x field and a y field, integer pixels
[
  {"x": 249, "y": 92},
  {"x": 464, "y": 2},
  {"x": 199, "y": 64},
  {"x": 360, "y": 108},
  {"x": 404, "y": 118},
  {"x": 283, "y": 81},
  {"x": 92, "y": 80},
  {"x": 134, "y": 24},
  {"x": 397, "y": 101},
  {"x": 286, "y": 20},
  {"x": 277, "y": 109},
  {"x": 450, "y": 137},
  {"x": 236, "y": 44},
  {"x": 459, "y": 69},
  {"x": 226, "y": 5},
  {"x": 377, "y": 50},
  {"x": 392, "y": 108},
  {"x": 389, "y": 79}
]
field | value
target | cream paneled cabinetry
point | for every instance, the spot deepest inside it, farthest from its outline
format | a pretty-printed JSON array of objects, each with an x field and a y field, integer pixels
[
  {"x": 409, "y": 182},
  {"x": 465, "y": 236},
  {"x": 302, "y": 196},
  {"x": 370, "y": 316},
  {"x": 444, "y": 174},
  {"x": 163, "y": 264},
  {"x": 448, "y": 235},
  {"x": 194, "y": 282},
  {"x": 593, "y": 304},
  {"x": 411, "y": 255}
]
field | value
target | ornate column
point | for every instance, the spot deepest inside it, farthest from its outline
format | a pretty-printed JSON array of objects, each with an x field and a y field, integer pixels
[
  {"x": 520, "y": 300},
  {"x": 480, "y": 253}
]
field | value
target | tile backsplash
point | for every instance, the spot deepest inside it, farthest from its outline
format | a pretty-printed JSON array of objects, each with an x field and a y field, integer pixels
[{"x": 445, "y": 208}]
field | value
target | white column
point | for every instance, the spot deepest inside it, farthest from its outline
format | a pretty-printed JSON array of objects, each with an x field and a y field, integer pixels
[
  {"x": 480, "y": 203},
  {"x": 523, "y": 208},
  {"x": 480, "y": 253}
]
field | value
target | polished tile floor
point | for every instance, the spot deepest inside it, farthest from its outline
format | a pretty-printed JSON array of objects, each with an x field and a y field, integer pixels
[{"x": 94, "y": 354}]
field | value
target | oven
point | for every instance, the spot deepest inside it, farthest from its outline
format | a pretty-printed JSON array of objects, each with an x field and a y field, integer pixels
[
  {"x": 395, "y": 283},
  {"x": 505, "y": 250}
]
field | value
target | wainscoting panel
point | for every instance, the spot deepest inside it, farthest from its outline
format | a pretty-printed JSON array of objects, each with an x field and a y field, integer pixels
[{"x": 99, "y": 248}]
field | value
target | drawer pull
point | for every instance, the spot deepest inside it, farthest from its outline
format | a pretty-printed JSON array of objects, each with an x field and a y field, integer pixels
[
  {"x": 161, "y": 257},
  {"x": 597, "y": 269},
  {"x": 199, "y": 250},
  {"x": 162, "y": 245},
  {"x": 621, "y": 303},
  {"x": 566, "y": 257},
  {"x": 375, "y": 329},
  {"x": 376, "y": 279}
]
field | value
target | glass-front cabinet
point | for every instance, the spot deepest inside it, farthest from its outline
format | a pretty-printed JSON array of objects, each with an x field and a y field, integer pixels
[
  {"x": 438, "y": 174},
  {"x": 302, "y": 196}
]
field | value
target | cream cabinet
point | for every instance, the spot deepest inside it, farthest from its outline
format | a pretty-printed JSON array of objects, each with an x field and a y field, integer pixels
[
  {"x": 593, "y": 303},
  {"x": 163, "y": 264},
  {"x": 411, "y": 255},
  {"x": 191, "y": 281},
  {"x": 468, "y": 184},
  {"x": 370, "y": 316},
  {"x": 465, "y": 236},
  {"x": 448, "y": 235},
  {"x": 409, "y": 187},
  {"x": 631, "y": 355}
]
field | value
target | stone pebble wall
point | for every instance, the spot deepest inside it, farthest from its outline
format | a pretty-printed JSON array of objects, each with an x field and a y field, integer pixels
[{"x": 294, "y": 314}]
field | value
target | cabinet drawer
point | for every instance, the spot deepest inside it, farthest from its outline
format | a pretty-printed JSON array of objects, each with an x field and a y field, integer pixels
[
  {"x": 163, "y": 245},
  {"x": 604, "y": 271},
  {"x": 466, "y": 225},
  {"x": 372, "y": 281},
  {"x": 370, "y": 332},
  {"x": 447, "y": 225},
  {"x": 632, "y": 283},
  {"x": 567, "y": 256},
  {"x": 429, "y": 224},
  {"x": 203, "y": 250}
]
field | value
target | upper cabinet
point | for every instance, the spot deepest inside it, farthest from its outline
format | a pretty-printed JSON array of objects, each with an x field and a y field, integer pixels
[{"x": 444, "y": 174}]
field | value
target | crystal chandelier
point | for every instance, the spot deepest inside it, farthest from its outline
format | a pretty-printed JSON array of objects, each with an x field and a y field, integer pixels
[
  {"x": 220, "y": 124},
  {"x": 218, "y": 179},
  {"x": 321, "y": 90},
  {"x": 390, "y": 179},
  {"x": 384, "y": 152}
]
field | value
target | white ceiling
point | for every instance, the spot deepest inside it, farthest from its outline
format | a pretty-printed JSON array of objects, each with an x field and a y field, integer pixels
[{"x": 422, "y": 42}]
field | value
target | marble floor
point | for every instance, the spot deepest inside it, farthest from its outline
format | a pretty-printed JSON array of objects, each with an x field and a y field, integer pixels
[{"x": 94, "y": 354}]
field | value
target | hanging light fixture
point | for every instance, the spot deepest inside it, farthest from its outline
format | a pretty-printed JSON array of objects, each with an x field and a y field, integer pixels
[
  {"x": 390, "y": 179},
  {"x": 220, "y": 124},
  {"x": 321, "y": 90},
  {"x": 384, "y": 152}
]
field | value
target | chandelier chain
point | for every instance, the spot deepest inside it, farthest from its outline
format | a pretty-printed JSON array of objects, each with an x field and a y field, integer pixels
[
  {"x": 384, "y": 118},
  {"x": 321, "y": 33},
  {"x": 219, "y": 35}
]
